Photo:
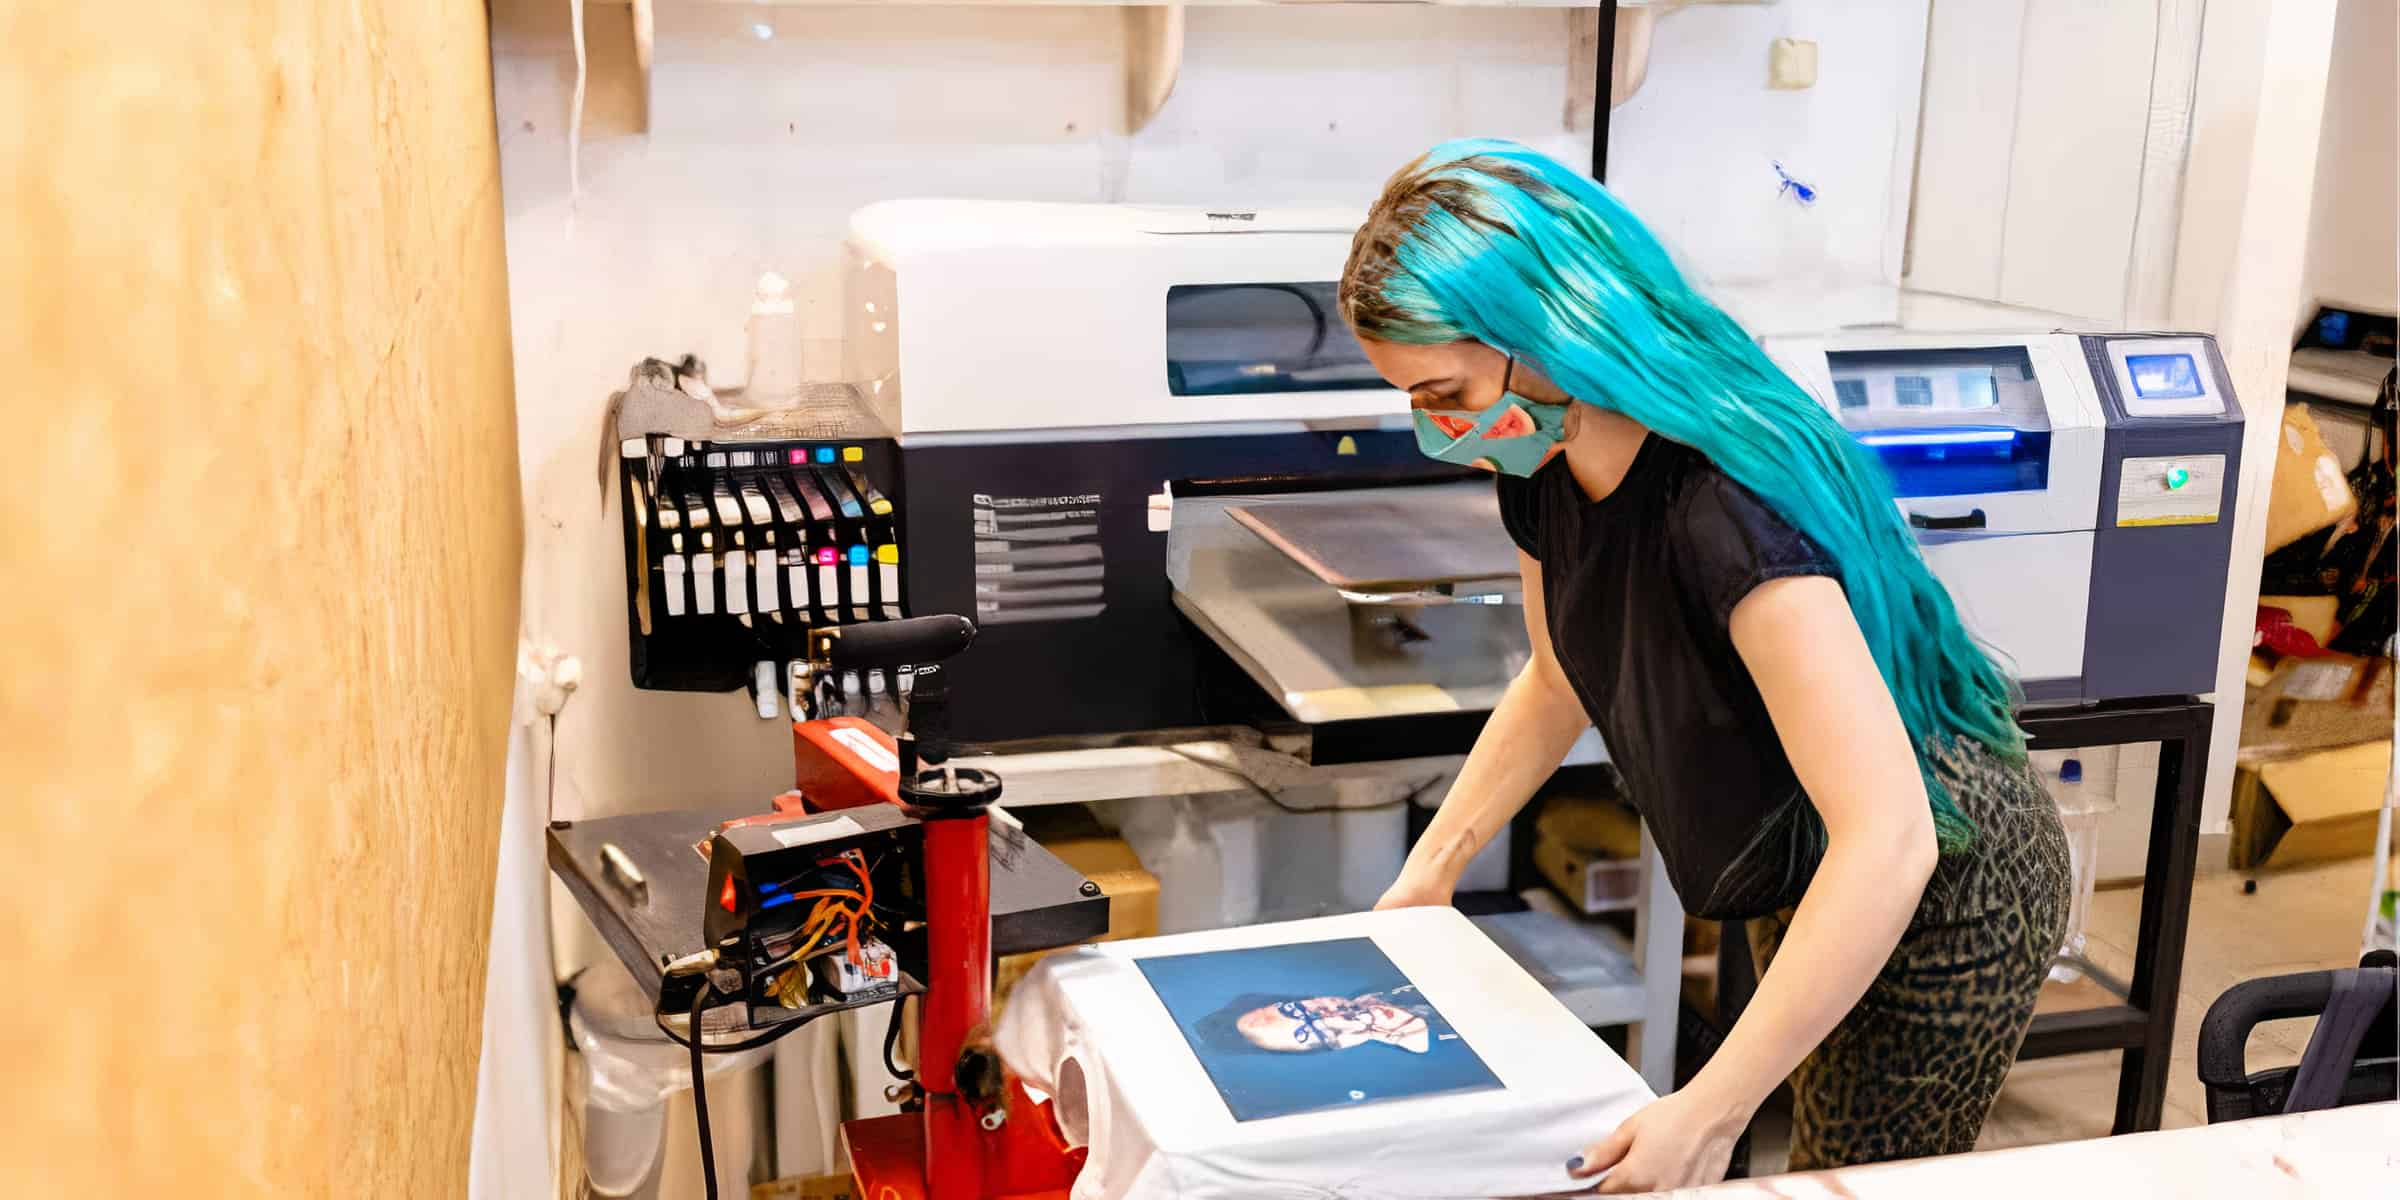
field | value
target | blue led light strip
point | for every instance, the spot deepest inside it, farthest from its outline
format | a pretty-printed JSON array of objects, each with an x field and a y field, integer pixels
[{"x": 1947, "y": 437}]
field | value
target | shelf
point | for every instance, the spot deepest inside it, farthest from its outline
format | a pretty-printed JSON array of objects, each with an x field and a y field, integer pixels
[
  {"x": 1185, "y": 3},
  {"x": 1589, "y": 968},
  {"x": 2342, "y": 378},
  {"x": 1154, "y": 38}
]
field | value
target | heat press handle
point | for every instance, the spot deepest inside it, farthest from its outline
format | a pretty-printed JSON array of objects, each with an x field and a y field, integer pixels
[
  {"x": 1972, "y": 520},
  {"x": 877, "y": 645}
]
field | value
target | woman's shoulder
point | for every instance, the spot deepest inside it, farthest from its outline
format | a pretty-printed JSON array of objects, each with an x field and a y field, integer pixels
[
  {"x": 1729, "y": 539},
  {"x": 1521, "y": 511},
  {"x": 1703, "y": 500}
]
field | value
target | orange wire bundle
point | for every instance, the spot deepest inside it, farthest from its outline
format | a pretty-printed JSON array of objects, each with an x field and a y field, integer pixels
[{"x": 838, "y": 907}]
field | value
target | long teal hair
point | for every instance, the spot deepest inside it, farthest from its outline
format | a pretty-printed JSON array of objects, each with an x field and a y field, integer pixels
[{"x": 1491, "y": 242}]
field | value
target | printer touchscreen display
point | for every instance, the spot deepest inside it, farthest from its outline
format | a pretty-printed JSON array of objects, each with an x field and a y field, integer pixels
[{"x": 2163, "y": 376}]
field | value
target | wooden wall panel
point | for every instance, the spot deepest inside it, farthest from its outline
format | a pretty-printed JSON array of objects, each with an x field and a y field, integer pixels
[{"x": 261, "y": 569}]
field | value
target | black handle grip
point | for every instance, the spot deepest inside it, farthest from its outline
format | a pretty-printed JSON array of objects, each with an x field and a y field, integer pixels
[
  {"x": 1973, "y": 520},
  {"x": 875, "y": 645}
]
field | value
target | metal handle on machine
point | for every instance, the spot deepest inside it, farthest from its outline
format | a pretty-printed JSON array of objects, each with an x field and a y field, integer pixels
[
  {"x": 880, "y": 645},
  {"x": 1973, "y": 520}
]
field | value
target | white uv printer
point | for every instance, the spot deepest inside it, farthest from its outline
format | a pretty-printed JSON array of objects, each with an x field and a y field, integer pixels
[{"x": 2074, "y": 492}]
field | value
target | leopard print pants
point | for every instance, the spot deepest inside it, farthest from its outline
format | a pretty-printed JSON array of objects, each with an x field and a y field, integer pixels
[{"x": 1913, "y": 1069}]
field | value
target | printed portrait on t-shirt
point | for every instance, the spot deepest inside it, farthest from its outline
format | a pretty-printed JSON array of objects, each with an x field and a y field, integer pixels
[{"x": 1316, "y": 1025}]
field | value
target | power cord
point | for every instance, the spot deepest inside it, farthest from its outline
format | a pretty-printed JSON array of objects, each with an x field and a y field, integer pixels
[
  {"x": 708, "y": 1146},
  {"x": 891, "y": 1040},
  {"x": 708, "y": 1141},
  {"x": 1268, "y": 795}
]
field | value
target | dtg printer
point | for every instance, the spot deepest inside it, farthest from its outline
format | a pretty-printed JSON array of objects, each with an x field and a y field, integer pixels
[
  {"x": 1081, "y": 394},
  {"x": 1129, "y": 442},
  {"x": 2074, "y": 492}
]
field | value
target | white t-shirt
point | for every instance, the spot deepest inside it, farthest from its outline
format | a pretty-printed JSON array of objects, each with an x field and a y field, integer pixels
[{"x": 1393, "y": 1054}]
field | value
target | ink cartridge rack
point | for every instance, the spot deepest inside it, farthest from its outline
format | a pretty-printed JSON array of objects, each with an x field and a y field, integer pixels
[{"x": 734, "y": 549}]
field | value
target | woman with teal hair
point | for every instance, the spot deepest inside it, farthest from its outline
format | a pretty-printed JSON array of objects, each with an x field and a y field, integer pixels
[{"x": 1716, "y": 575}]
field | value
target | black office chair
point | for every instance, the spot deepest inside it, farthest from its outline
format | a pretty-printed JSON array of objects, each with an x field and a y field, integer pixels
[{"x": 2351, "y": 1056}]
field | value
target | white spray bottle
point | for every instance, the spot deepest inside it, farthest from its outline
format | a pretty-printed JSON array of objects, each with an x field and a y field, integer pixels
[{"x": 774, "y": 380}]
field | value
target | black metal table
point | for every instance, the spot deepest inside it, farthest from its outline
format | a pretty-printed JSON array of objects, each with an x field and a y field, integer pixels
[
  {"x": 2142, "y": 1024},
  {"x": 1038, "y": 902}
]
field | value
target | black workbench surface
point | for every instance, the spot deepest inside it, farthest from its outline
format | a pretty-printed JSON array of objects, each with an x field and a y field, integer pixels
[{"x": 1038, "y": 902}]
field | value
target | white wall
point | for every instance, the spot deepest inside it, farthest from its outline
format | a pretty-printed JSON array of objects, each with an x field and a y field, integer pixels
[
  {"x": 2029, "y": 180},
  {"x": 2258, "y": 111},
  {"x": 758, "y": 148},
  {"x": 1694, "y": 153},
  {"x": 2351, "y": 253},
  {"x": 2352, "y": 258},
  {"x": 2053, "y": 144}
]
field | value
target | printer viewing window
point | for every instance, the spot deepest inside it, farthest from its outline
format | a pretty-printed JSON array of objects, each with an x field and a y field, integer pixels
[
  {"x": 2163, "y": 376},
  {"x": 1232, "y": 339}
]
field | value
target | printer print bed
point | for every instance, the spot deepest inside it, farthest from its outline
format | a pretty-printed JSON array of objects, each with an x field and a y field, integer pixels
[{"x": 1312, "y": 1026}]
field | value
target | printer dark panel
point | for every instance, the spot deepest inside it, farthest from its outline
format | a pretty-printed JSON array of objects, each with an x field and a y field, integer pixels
[
  {"x": 1044, "y": 665},
  {"x": 2158, "y": 591}
]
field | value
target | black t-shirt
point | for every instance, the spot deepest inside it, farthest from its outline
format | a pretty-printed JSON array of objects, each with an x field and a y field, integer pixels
[{"x": 1640, "y": 587}]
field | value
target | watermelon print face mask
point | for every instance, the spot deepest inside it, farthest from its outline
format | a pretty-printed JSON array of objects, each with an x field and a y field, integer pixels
[{"x": 1512, "y": 436}]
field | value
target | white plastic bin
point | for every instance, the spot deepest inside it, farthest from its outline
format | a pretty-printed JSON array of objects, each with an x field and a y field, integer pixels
[{"x": 2082, "y": 803}]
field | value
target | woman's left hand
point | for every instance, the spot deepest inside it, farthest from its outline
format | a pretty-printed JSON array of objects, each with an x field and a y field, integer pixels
[{"x": 1683, "y": 1139}]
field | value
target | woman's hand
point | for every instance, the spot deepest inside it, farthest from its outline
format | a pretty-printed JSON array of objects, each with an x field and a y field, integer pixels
[
  {"x": 1683, "y": 1139},
  {"x": 1532, "y": 728},
  {"x": 1416, "y": 888}
]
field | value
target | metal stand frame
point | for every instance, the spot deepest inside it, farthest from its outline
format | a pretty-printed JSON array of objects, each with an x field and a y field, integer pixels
[
  {"x": 1604, "y": 89},
  {"x": 1658, "y": 949},
  {"x": 2143, "y": 1026}
]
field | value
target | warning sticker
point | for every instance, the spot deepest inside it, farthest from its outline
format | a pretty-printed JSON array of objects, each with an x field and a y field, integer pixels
[
  {"x": 2171, "y": 491},
  {"x": 869, "y": 751},
  {"x": 1038, "y": 558}
]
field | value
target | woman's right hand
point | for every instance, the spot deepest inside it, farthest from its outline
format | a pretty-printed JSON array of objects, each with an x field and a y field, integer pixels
[{"x": 1415, "y": 889}]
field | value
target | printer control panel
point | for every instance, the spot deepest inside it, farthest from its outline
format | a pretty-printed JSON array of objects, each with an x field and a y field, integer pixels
[
  {"x": 735, "y": 549},
  {"x": 2164, "y": 377},
  {"x": 2178, "y": 489}
]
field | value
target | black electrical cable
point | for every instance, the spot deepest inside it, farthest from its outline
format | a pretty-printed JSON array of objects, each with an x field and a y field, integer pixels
[
  {"x": 708, "y": 1148},
  {"x": 767, "y": 1038},
  {"x": 1264, "y": 793},
  {"x": 1604, "y": 89},
  {"x": 708, "y": 1143},
  {"x": 891, "y": 1040}
]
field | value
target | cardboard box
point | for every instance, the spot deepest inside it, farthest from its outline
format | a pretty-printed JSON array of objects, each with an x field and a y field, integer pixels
[
  {"x": 1592, "y": 881},
  {"x": 2310, "y": 489},
  {"x": 1589, "y": 847},
  {"x": 2315, "y": 807},
  {"x": 821, "y": 1187},
  {"x": 1131, "y": 890},
  {"x": 2312, "y": 704},
  {"x": 1596, "y": 823},
  {"x": 1105, "y": 860}
]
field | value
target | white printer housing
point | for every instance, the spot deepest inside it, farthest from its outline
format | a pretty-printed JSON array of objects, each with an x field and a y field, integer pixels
[
  {"x": 968, "y": 315},
  {"x": 2021, "y": 576},
  {"x": 2073, "y": 491}
]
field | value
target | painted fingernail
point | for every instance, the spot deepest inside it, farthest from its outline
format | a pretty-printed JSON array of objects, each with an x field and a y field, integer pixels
[{"x": 1575, "y": 1163}]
